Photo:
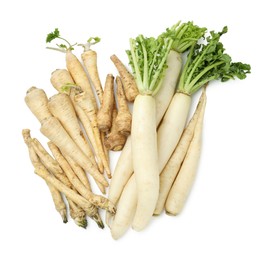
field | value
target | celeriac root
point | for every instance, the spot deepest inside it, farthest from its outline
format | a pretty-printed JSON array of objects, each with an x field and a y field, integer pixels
[
  {"x": 104, "y": 116},
  {"x": 124, "y": 117},
  {"x": 128, "y": 81}
]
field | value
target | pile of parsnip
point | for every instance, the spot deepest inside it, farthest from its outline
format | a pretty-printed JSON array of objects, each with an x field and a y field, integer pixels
[{"x": 160, "y": 146}]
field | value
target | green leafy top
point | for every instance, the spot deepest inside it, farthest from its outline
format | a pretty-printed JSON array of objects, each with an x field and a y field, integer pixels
[
  {"x": 91, "y": 41},
  {"x": 61, "y": 47},
  {"x": 206, "y": 62},
  {"x": 148, "y": 61},
  {"x": 184, "y": 35}
]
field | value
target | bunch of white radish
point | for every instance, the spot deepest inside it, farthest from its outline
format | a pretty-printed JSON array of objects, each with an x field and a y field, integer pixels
[{"x": 144, "y": 195}]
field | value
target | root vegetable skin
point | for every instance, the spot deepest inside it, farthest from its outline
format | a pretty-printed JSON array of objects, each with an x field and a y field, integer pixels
[
  {"x": 104, "y": 116},
  {"x": 172, "y": 126},
  {"x": 126, "y": 210},
  {"x": 96, "y": 200},
  {"x": 36, "y": 99},
  {"x": 54, "y": 131},
  {"x": 61, "y": 77},
  {"x": 115, "y": 140},
  {"x": 172, "y": 167},
  {"x": 145, "y": 159},
  {"x": 35, "y": 160},
  {"x": 128, "y": 81},
  {"x": 185, "y": 178},
  {"x": 124, "y": 117},
  {"x": 81, "y": 100},
  {"x": 89, "y": 59},
  {"x": 79, "y": 75}
]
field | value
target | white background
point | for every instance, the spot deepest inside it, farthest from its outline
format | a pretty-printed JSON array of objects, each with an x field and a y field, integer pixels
[{"x": 227, "y": 216}]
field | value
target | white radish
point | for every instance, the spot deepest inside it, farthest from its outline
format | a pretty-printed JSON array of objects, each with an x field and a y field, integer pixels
[
  {"x": 124, "y": 168},
  {"x": 185, "y": 178},
  {"x": 172, "y": 167},
  {"x": 145, "y": 159},
  {"x": 172, "y": 126},
  {"x": 127, "y": 207}
]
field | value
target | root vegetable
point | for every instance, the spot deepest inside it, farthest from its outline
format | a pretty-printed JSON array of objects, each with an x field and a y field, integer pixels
[
  {"x": 96, "y": 200},
  {"x": 36, "y": 99},
  {"x": 60, "y": 78},
  {"x": 182, "y": 41},
  {"x": 129, "y": 84},
  {"x": 81, "y": 100},
  {"x": 56, "y": 196},
  {"x": 144, "y": 138},
  {"x": 89, "y": 58},
  {"x": 172, "y": 167},
  {"x": 61, "y": 107},
  {"x": 124, "y": 168},
  {"x": 124, "y": 117},
  {"x": 54, "y": 131},
  {"x": 78, "y": 215},
  {"x": 127, "y": 208},
  {"x": 184, "y": 180},
  {"x": 59, "y": 202},
  {"x": 104, "y": 116},
  {"x": 115, "y": 140}
]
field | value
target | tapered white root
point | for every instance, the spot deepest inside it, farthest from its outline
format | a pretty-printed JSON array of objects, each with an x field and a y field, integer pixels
[
  {"x": 172, "y": 167},
  {"x": 145, "y": 159},
  {"x": 185, "y": 178},
  {"x": 172, "y": 126},
  {"x": 126, "y": 210}
]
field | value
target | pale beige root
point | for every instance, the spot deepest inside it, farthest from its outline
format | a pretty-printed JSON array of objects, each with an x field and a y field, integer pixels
[
  {"x": 128, "y": 81},
  {"x": 89, "y": 59},
  {"x": 173, "y": 166},
  {"x": 41, "y": 170},
  {"x": 49, "y": 162},
  {"x": 61, "y": 107},
  {"x": 77, "y": 184},
  {"x": 124, "y": 117},
  {"x": 78, "y": 215},
  {"x": 55, "y": 132},
  {"x": 115, "y": 140},
  {"x": 59, "y": 203},
  {"x": 183, "y": 183},
  {"x": 80, "y": 173},
  {"x": 52, "y": 165},
  {"x": 79, "y": 76},
  {"x": 82, "y": 100},
  {"x": 97, "y": 200},
  {"x": 104, "y": 116},
  {"x": 60, "y": 78},
  {"x": 37, "y": 100}
]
